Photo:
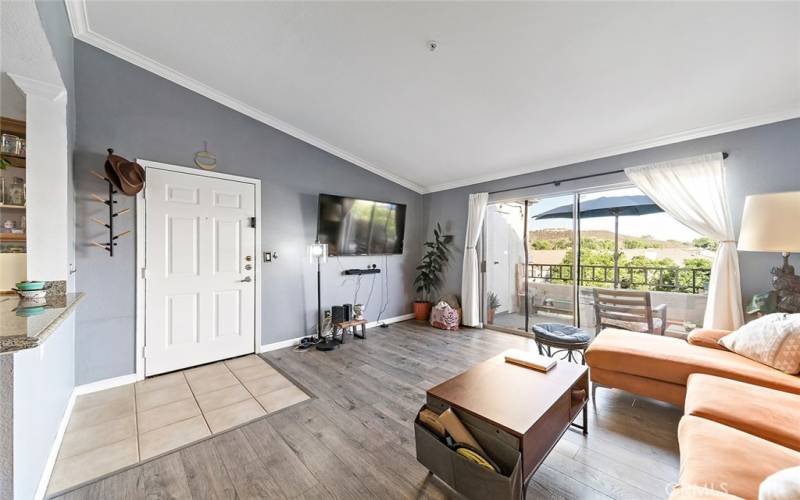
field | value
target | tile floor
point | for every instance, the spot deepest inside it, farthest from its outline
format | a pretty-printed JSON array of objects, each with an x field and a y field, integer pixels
[{"x": 119, "y": 427}]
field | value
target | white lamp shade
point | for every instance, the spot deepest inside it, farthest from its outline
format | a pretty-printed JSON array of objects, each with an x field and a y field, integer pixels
[{"x": 771, "y": 223}]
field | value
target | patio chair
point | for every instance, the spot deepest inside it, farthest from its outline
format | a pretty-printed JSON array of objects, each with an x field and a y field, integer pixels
[{"x": 628, "y": 310}]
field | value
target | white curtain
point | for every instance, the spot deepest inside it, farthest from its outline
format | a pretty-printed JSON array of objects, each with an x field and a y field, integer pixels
[
  {"x": 470, "y": 274},
  {"x": 692, "y": 190}
]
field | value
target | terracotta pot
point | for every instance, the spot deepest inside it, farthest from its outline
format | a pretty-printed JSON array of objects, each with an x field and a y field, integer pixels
[
  {"x": 422, "y": 310},
  {"x": 490, "y": 316}
]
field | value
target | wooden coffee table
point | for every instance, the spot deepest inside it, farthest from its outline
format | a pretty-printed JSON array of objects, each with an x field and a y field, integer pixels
[{"x": 526, "y": 408}]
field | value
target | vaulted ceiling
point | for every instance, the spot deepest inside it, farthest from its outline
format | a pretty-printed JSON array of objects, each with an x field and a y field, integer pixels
[{"x": 510, "y": 88}]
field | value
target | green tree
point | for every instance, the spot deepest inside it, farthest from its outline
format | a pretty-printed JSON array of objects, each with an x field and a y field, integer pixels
[{"x": 704, "y": 242}]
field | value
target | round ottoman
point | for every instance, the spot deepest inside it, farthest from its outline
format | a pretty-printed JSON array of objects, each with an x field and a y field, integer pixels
[{"x": 562, "y": 338}]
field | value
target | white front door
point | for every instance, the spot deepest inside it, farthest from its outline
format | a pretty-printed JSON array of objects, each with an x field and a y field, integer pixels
[{"x": 200, "y": 278}]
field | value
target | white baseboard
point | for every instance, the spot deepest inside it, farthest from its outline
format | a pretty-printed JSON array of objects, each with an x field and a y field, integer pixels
[
  {"x": 108, "y": 383},
  {"x": 44, "y": 481},
  {"x": 389, "y": 321},
  {"x": 293, "y": 342},
  {"x": 281, "y": 344}
]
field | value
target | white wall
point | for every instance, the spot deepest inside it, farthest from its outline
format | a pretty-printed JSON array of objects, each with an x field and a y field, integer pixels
[{"x": 43, "y": 382}]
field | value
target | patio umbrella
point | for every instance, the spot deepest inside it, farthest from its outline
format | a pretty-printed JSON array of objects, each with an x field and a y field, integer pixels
[{"x": 608, "y": 206}]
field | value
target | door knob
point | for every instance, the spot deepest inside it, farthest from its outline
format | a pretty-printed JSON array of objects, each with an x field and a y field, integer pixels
[{"x": 247, "y": 279}]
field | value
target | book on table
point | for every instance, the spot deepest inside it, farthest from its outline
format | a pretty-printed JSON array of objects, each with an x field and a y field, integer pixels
[{"x": 530, "y": 360}]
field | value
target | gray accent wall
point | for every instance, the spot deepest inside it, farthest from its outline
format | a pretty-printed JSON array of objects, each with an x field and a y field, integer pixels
[
  {"x": 144, "y": 116},
  {"x": 761, "y": 160}
]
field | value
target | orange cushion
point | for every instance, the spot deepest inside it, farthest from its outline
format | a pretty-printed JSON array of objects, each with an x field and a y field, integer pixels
[
  {"x": 706, "y": 337},
  {"x": 673, "y": 360},
  {"x": 766, "y": 413},
  {"x": 725, "y": 459}
]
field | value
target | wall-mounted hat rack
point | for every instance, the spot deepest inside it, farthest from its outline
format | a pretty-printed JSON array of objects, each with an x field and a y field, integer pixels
[{"x": 112, "y": 238}]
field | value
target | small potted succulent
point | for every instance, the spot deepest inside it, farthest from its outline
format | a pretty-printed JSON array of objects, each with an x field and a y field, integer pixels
[
  {"x": 429, "y": 272},
  {"x": 494, "y": 304}
]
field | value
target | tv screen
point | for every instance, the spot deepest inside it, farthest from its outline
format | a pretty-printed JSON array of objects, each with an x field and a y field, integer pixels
[{"x": 360, "y": 227}]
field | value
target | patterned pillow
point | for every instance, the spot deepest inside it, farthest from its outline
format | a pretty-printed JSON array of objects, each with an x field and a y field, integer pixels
[{"x": 773, "y": 339}]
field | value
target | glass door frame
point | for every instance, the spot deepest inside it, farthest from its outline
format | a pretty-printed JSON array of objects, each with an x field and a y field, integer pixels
[{"x": 577, "y": 277}]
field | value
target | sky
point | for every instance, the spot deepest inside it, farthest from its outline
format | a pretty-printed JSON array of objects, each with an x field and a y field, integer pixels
[{"x": 660, "y": 225}]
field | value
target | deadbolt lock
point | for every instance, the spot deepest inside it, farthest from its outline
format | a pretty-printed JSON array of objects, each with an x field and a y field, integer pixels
[
  {"x": 248, "y": 258},
  {"x": 248, "y": 266}
]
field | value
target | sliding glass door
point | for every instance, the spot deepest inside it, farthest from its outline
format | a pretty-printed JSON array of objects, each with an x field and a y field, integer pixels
[
  {"x": 542, "y": 261},
  {"x": 528, "y": 263}
]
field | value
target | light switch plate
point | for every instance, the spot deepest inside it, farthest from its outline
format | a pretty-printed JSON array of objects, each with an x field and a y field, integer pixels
[{"x": 267, "y": 256}]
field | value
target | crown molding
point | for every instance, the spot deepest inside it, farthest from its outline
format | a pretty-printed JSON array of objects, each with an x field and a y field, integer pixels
[
  {"x": 31, "y": 86},
  {"x": 753, "y": 121},
  {"x": 79, "y": 21}
]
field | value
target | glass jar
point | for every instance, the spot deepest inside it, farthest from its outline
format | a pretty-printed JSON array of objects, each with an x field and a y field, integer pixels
[
  {"x": 9, "y": 144},
  {"x": 15, "y": 192}
]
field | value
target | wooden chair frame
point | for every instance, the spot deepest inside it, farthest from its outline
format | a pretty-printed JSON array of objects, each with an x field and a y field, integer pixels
[{"x": 632, "y": 306}]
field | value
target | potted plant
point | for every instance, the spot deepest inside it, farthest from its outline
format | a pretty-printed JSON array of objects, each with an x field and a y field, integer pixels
[
  {"x": 429, "y": 271},
  {"x": 494, "y": 304}
]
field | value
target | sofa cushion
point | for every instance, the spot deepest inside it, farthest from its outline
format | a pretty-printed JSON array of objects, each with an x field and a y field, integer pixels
[
  {"x": 762, "y": 412},
  {"x": 706, "y": 337},
  {"x": 725, "y": 459},
  {"x": 773, "y": 339},
  {"x": 673, "y": 360},
  {"x": 783, "y": 485}
]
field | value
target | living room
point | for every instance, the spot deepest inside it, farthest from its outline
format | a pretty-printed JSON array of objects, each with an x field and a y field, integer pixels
[{"x": 283, "y": 250}]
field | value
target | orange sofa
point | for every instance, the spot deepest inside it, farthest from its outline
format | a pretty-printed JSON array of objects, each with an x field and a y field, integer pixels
[{"x": 740, "y": 416}]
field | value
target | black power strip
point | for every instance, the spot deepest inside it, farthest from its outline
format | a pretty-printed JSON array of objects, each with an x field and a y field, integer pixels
[{"x": 359, "y": 272}]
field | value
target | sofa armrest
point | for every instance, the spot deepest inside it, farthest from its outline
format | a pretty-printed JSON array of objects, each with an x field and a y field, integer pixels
[{"x": 707, "y": 337}]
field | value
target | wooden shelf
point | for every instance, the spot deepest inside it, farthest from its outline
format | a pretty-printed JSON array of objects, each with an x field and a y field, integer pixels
[
  {"x": 12, "y": 126},
  {"x": 12, "y": 237},
  {"x": 14, "y": 160},
  {"x": 18, "y": 207}
]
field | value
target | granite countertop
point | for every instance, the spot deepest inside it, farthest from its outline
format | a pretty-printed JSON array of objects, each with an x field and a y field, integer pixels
[{"x": 26, "y": 325}]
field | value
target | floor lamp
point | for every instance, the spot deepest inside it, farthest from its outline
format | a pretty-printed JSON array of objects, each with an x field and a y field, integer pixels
[{"x": 318, "y": 252}]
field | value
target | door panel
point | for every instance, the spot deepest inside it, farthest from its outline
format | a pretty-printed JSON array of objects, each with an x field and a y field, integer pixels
[{"x": 199, "y": 306}]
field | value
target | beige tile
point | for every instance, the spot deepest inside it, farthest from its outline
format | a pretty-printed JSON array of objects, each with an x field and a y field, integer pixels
[
  {"x": 202, "y": 385},
  {"x": 233, "y": 415},
  {"x": 94, "y": 415},
  {"x": 267, "y": 384},
  {"x": 244, "y": 362},
  {"x": 103, "y": 397},
  {"x": 159, "y": 382},
  {"x": 206, "y": 371},
  {"x": 169, "y": 413},
  {"x": 170, "y": 394},
  {"x": 82, "y": 440},
  {"x": 222, "y": 397},
  {"x": 254, "y": 371},
  {"x": 86, "y": 466},
  {"x": 282, "y": 398},
  {"x": 172, "y": 436}
]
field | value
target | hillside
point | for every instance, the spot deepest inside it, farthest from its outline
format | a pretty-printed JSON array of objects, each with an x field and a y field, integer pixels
[{"x": 558, "y": 234}]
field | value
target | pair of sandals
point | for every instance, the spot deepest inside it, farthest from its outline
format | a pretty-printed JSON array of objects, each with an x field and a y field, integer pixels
[{"x": 473, "y": 454}]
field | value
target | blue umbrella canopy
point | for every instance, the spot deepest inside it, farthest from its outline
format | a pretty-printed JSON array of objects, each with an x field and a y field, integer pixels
[{"x": 606, "y": 206}]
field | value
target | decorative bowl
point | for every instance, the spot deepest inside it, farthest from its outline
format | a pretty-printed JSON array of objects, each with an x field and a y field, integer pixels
[
  {"x": 27, "y": 286},
  {"x": 31, "y": 294}
]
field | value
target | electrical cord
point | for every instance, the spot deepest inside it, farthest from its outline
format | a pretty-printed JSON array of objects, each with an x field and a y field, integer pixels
[{"x": 384, "y": 299}]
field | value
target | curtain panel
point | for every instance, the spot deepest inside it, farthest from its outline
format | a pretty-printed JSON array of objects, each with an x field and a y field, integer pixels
[
  {"x": 470, "y": 273},
  {"x": 692, "y": 190}
]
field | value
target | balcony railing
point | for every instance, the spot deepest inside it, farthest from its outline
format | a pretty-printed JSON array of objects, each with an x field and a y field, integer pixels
[{"x": 665, "y": 279}]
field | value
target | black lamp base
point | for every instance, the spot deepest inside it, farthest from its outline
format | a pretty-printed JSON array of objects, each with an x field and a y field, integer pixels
[{"x": 327, "y": 345}]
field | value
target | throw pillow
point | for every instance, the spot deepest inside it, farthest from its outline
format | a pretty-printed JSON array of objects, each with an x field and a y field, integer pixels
[
  {"x": 783, "y": 485},
  {"x": 773, "y": 339},
  {"x": 706, "y": 337}
]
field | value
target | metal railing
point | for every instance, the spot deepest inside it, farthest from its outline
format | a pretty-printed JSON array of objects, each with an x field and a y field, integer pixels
[{"x": 665, "y": 279}]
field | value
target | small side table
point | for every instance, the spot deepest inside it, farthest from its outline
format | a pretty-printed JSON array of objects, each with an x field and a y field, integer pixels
[
  {"x": 566, "y": 339},
  {"x": 344, "y": 326}
]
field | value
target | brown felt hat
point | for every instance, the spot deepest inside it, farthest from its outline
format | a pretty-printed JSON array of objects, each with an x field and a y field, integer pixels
[{"x": 127, "y": 176}]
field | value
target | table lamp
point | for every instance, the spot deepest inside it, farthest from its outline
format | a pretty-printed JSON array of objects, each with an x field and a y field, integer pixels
[{"x": 771, "y": 223}]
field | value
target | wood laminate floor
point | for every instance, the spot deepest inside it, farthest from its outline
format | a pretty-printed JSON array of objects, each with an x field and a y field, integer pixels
[{"x": 355, "y": 438}]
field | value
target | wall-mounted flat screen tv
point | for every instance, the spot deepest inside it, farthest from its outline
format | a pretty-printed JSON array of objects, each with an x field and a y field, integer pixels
[{"x": 352, "y": 226}]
